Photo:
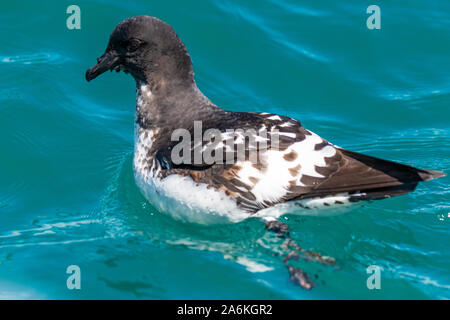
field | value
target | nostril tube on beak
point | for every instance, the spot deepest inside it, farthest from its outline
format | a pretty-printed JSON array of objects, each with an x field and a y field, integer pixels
[{"x": 105, "y": 62}]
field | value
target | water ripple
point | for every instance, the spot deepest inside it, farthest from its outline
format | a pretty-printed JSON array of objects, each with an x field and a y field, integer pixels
[
  {"x": 271, "y": 33},
  {"x": 35, "y": 58},
  {"x": 300, "y": 9}
]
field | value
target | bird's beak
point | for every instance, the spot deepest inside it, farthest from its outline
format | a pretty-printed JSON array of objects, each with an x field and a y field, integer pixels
[{"x": 108, "y": 61}]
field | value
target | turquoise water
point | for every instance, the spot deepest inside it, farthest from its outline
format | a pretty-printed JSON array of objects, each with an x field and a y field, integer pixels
[{"x": 67, "y": 192}]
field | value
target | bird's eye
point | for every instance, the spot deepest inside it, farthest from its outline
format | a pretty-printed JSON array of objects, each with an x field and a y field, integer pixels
[
  {"x": 129, "y": 45},
  {"x": 133, "y": 44}
]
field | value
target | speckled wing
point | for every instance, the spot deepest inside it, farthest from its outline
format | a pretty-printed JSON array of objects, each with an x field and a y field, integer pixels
[
  {"x": 288, "y": 154},
  {"x": 303, "y": 165}
]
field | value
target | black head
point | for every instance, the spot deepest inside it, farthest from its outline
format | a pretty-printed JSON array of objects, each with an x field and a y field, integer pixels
[{"x": 147, "y": 48}]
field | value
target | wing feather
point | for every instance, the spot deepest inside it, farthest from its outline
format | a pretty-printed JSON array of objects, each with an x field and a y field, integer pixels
[{"x": 303, "y": 166}]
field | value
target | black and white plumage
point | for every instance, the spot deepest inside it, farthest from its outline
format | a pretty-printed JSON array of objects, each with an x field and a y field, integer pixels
[{"x": 305, "y": 171}]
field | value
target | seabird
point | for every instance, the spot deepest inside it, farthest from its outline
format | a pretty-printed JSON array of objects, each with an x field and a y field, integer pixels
[
  {"x": 301, "y": 171},
  {"x": 305, "y": 170}
]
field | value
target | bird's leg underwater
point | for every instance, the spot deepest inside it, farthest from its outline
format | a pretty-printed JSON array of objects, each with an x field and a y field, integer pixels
[
  {"x": 296, "y": 275},
  {"x": 281, "y": 229}
]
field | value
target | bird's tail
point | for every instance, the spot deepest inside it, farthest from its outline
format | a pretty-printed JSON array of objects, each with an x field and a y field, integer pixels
[{"x": 392, "y": 178}]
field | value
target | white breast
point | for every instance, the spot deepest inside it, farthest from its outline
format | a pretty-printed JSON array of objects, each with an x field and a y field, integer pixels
[{"x": 177, "y": 195}]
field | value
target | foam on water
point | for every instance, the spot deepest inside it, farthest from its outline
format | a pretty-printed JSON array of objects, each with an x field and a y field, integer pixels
[{"x": 34, "y": 58}]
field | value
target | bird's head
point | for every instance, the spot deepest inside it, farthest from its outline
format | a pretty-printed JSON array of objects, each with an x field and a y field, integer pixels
[{"x": 148, "y": 49}]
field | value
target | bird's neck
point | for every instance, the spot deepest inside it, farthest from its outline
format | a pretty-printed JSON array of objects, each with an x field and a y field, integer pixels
[{"x": 170, "y": 105}]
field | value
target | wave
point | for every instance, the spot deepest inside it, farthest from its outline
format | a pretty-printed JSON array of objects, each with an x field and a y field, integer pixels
[
  {"x": 35, "y": 58},
  {"x": 273, "y": 34},
  {"x": 300, "y": 9},
  {"x": 411, "y": 95}
]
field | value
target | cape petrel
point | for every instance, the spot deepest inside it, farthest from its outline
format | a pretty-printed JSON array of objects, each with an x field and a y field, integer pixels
[{"x": 305, "y": 171}]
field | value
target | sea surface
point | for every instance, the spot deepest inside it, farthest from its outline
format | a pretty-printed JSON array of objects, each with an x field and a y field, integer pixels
[{"x": 67, "y": 192}]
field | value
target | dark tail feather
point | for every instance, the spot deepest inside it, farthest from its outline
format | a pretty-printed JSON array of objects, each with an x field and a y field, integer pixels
[
  {"x": 407, "y": 177},
  {"x": 427, "y": 174},
  {"x": 402, "y": 172},
  {"x": 365, "y": 177}
]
